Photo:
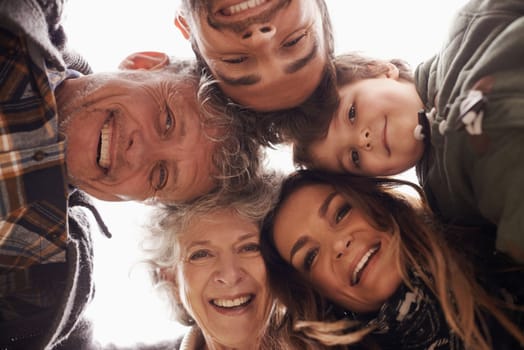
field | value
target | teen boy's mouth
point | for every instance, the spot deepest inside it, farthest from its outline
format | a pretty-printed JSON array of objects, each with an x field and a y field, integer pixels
[
  {"x": 363, "y": 263},
  {"x": 241, "y": 7}
]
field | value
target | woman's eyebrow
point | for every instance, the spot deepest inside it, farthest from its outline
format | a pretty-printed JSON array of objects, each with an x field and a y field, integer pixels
[
  {"x": 302, "y": 240},
  {"x": 325, "y": 205}
]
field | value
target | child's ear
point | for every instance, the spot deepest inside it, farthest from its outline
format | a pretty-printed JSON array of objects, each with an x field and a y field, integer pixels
[
  {"x": 392, "y": 72},
  {"x": 181, "y": 24},
  {"x": 147, "y": 60}
]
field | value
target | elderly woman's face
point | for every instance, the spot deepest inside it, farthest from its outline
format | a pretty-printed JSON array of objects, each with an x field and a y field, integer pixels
[
  {"x": 222, "y": 278},
  {"x": 333, "y": 245}
]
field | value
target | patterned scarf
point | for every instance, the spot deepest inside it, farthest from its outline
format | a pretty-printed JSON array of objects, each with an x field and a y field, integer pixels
[{"x": 410, "y": 319}]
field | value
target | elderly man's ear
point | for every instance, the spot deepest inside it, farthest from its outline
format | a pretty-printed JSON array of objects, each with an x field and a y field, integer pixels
[
  {"x": 147, "y": 60},
  {"x": 181, "y": 24}
]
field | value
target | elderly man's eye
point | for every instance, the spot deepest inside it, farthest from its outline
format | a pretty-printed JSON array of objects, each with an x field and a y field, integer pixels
[
  {"x": 159, "y": 176},
  {"x": 169, "y": 122}
]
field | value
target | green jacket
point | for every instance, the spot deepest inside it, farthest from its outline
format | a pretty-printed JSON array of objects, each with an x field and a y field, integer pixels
[{"x": 478, "y": 179}]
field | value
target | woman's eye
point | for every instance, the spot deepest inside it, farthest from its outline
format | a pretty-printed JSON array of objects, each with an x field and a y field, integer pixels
[
  {"x": 355, "y": 158},
  {"x": 342, "y": 212},
  {"x": 199, "y": 254},
  {"x": 159, "y": 177},
  {"x": 309, "y": 259},
  {"x": 170, "y": 121},
  {"x": 352, "y": 114},
  {"x": 295, "y": 41},
  {"x": 251, "y": 248},
  {"x": 235, "y": 60}
]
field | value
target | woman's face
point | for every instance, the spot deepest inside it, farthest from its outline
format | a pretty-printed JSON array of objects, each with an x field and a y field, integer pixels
[
  {"x": 333, "y": 246},
  {"x": 222, "y": 279}
]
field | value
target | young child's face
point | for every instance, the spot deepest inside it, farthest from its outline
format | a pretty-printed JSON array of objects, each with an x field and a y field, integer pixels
[{"x": 371, "y": 133}]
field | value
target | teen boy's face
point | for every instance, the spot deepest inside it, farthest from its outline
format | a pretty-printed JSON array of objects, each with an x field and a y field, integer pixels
[
  {"x": 266, "y": 55},
  {"x": 372, "y": 130},
  {"x": 333, "y": 245}
]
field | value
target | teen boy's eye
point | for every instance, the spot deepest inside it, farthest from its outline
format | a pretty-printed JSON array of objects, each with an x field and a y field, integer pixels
[
  {"x": 342, "y": 212},
  {"x": 235, "y": 60},
  {"x": 309, "y": 259},
  {"x": 352, "y": 114},
  {"x": 295, "y": 41}
]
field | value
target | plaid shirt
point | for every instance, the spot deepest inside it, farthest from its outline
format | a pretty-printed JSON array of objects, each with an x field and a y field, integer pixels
[{"x": 33, "y": 188}]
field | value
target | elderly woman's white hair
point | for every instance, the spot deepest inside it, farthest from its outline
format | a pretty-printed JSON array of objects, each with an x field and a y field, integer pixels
[{"x": 160, "y": 244}]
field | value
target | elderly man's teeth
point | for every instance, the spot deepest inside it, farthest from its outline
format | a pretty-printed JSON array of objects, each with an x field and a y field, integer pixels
[
  {"x": 230, "y": 303},
  {"x": 355, "y": 278},
  {"x": 105, "y": 143},
  {"x": 242, "y": 6}
]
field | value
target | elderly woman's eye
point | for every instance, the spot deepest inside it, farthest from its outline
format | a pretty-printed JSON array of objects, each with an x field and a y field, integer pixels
[
  {"x": 199, "y": 254},
  {"x": 251, "y": 248}
]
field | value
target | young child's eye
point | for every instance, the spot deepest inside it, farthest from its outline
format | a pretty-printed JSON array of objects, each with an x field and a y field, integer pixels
[
  {"x": 352, "y": 114},
  {"x": 310, "y": 258},
  {"x": 355, "y": 158},
  {"x": 342, "y": 212}
]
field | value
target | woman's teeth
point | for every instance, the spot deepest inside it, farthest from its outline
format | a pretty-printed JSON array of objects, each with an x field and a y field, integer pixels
[
  {"x": 231, "y": 303},
  {"x": 231, "y": 10},
  {"x": 104, "y": 159},
  {"x": 355, "y": 278}
]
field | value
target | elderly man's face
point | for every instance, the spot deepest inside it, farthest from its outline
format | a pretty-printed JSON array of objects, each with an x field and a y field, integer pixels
[
  {"x": 266, "y": 55},
  {"x": 135, "y": 139}
]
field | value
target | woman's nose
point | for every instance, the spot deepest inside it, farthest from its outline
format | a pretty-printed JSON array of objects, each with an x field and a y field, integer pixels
[
  {"x": 341, "y": 246},
  {"x": 229, "y": 272}
]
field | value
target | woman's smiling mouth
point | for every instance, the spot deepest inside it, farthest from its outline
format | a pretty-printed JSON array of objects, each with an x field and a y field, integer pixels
[{"x": 361, "y": 265}]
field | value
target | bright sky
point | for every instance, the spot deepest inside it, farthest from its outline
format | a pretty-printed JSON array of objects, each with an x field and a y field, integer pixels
[{"x": 125, "y": 310}]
